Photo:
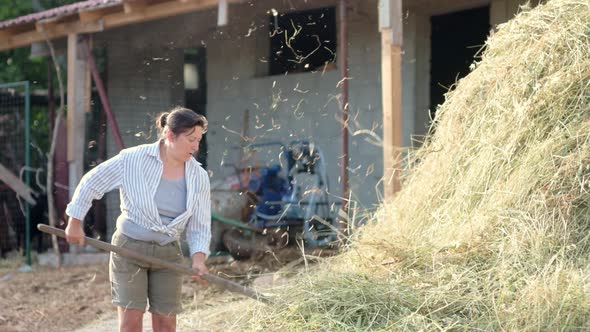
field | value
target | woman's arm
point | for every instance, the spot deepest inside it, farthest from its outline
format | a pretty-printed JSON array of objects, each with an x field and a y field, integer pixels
[
  {"x": 75, "y": 232},
  {"x": 100, "y": 180},
  {"x": 199, "y": 229},
  {"x": 199, "y": 265}
]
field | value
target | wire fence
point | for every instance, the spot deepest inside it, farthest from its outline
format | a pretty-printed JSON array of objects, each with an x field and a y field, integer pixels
[{"x": 15, "y": 156}]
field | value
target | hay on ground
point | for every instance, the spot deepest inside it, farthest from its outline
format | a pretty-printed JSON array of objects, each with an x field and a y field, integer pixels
[{"x": 492, "y": 228}]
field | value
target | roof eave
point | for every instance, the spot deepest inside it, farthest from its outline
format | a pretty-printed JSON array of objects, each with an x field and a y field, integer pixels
[{"x": 97, "y": 19}]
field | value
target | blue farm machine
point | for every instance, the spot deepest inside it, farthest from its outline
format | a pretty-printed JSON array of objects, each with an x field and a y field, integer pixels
[{"x": 277, "y": 193}]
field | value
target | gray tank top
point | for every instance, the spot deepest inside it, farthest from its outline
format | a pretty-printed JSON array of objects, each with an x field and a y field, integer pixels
[{"x": 170, "y": 199}]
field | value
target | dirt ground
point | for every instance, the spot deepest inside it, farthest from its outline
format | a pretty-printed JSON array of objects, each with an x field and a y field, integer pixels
[
  {"x": 53, "y": 299},
  {"x": 78, "y": 298}
]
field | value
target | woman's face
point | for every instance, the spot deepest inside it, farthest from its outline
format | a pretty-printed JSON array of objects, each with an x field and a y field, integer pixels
[{"x": 185, "y": 145}]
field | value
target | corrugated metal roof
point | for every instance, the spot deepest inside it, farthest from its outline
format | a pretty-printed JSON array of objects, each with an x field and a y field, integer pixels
[{"x": 60, "y": 11}]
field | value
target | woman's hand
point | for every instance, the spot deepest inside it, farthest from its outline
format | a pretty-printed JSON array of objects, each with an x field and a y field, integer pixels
[
  {"x": 199, "y": 266},
  {"x": 75, "y": 232}
]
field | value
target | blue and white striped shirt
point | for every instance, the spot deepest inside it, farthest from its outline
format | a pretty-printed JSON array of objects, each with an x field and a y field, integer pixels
[{"x": 136, "y": 172}]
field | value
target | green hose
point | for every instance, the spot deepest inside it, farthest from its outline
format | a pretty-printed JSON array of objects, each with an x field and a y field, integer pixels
[{"x": 235, "y": 223}]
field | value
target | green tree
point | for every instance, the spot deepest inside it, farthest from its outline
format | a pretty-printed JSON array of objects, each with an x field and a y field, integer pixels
[{"x": 17, "y": 65}]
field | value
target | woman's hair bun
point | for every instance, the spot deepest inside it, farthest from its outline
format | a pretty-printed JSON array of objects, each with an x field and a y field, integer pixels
[{"x": 161, "y": 122}]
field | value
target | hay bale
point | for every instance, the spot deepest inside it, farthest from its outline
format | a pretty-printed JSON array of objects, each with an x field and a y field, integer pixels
[{"x": 492, "y": 228}]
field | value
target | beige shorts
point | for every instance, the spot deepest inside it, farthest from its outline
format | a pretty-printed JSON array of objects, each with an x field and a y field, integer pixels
[{"x": 134, "y": 284}]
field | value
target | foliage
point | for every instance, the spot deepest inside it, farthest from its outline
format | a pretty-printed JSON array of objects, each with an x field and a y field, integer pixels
[{"x": 16, "y": 65}]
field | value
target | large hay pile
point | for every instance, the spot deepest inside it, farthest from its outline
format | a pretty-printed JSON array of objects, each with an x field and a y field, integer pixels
[{"x": 492, "y": 229}]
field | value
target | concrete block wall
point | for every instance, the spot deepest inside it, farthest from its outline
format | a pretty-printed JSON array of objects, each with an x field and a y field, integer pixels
[
  {"x": 302, "y": 105},
  {"x": 145, "y": 78},
  {"x": 141, "y": 81}
]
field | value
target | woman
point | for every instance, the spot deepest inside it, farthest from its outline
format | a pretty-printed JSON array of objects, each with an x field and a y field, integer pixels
[{"x": 163, "y": 190}]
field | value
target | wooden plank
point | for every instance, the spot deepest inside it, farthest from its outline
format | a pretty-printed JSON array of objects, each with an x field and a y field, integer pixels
[
  {"x": 78, "y": 93},
  {"x": 88, "y": 23},
  {"x": 6, "y": 34},
  {"x": 53, "y": 31},
  {"x": 14, "y": 183},
  {"x": 130, "y": 6},
  {"x": 390, "y": 24},
  {"x": 40, "y": 27},
  {"x": 157, "y": 11},
  {"x": 391, "y": 85},
  {"x": 90, "y": 15}
]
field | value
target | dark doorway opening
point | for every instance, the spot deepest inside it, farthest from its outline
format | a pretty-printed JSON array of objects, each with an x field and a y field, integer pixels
[
  {"x": 456, "y": 38},
  {"x": 195, "y": 89}
]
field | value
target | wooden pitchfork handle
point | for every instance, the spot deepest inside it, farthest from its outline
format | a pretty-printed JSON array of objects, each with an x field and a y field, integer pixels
[{"x": 229, "y": 285}]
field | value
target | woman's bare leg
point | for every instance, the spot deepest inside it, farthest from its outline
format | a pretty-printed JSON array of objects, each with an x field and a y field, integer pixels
[
  {"x": 130, "y": 320},
  {"x": 163, "y": 323}
]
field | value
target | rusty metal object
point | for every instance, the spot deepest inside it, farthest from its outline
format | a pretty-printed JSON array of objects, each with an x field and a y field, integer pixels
[
  {"x": 242, "y": 246},
  {"x": 229, "y": 204},
  {"x": 233, "y": 204}
]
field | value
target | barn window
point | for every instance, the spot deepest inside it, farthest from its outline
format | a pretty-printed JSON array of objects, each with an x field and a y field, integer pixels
[{"x": 302, "y": 41}]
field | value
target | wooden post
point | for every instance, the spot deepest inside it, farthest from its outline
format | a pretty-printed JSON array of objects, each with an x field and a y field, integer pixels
[
  {"x": 78, "y": 105},
  {"x": 390, "y": 22}
]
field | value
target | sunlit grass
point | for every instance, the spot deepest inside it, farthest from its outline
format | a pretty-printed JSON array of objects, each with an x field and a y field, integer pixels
[{"x": 492, "y": 228}]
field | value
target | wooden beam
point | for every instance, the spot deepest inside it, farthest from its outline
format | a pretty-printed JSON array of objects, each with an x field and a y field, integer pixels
[
  {"x": 90, "y": 15},
  {"x": 46, "y": 25},
  {"x": 391, "y": 87},
  {"x": 103, "y": 19},
  {"x": 53, "y": 31},
  {"x": 130, "y": 6},
  {"x": 6, "y": 34},
  {"x": 157, "y": 11}
]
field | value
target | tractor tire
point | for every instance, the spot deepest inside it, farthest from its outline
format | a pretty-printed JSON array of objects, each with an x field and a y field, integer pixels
[{"x": 243, "y": 246}]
